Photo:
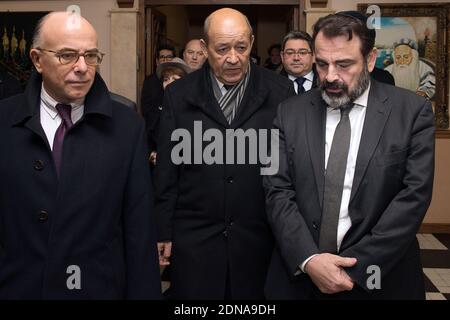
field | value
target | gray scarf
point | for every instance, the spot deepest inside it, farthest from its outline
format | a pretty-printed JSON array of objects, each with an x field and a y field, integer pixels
[{"x": 231, "y": 100}]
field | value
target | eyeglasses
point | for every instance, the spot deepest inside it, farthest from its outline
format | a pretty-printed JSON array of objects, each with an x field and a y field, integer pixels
[
  {"x": 92, "y": 58},
  {"x": 302, "y": 52},
  {"x": 166, "y": 57}
]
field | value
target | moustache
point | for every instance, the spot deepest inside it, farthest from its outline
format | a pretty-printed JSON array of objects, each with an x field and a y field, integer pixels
[{"x": 333, "y": 85}]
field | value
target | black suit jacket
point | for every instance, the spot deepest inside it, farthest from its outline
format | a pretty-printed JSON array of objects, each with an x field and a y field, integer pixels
[
  {"x": 391, "y": 191},
  {"x": 97, "y": 215},
  {"x": 151, "y": 105},
  {"x": 215, "y": 214}
]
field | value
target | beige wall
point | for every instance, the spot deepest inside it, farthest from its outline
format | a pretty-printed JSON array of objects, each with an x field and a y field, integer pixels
[
  {"x": 97, "y": 12},
  {"x": 177, "y": 20},
  {"x": 439, "y": 211}
]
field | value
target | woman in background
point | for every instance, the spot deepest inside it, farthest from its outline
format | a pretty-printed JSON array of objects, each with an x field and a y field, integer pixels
[{"x": 167, "y": 73}]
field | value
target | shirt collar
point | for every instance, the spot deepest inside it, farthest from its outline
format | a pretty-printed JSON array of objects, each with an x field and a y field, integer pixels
[
  {"x": 220, "y": 84},
  {"x": 362, "y": 99},
  {"x": 50, "y": 103},
  {"x": 309, "y": 76}
]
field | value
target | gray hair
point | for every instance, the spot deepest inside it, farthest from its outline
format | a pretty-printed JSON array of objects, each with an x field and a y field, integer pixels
[{"x": 207, "y": 23}]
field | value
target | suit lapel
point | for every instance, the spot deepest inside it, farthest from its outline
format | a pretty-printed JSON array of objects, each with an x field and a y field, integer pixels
[
  {"x": 315, "y": 128},
  {"x": 377, "y": 114}
]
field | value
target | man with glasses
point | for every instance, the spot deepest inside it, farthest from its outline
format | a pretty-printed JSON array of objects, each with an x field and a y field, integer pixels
[
  {"x": 152, "y": 96},
  {"x": 75, "y": 205},
  {"x": 298, "y": 60}
]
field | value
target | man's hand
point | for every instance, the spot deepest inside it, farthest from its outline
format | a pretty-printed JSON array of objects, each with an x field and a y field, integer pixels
[
  {"x": 153, "y": 158},
  {"x": 327, "y": 273},
  {"x": 164, "y": 252},
  {"x": 422, "y": 94}
]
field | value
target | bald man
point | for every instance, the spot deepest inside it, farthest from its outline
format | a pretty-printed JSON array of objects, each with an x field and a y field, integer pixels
[
  {"x": 194, "y": 54},
  {"x": 213, "y": 230},
  {"x": 75, "y": 210}
]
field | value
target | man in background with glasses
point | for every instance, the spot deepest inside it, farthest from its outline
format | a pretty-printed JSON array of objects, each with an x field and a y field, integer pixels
[
  {"x": 75, "y": 205},
  {"x": 298, "y": 61}
]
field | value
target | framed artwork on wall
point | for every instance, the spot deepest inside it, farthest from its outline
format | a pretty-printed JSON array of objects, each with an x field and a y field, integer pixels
[{"x": 412, "y": 46}]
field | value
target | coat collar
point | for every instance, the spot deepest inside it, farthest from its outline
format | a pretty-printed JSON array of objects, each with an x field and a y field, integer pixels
[
  {"x": 203, "y": 97},
  {"x": 97, "y": 100}
]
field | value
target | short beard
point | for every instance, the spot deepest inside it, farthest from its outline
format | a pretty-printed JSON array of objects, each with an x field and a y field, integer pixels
[{"x": 338, "y": 100}]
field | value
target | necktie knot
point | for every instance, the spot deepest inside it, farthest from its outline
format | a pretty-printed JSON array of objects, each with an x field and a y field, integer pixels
[
  {"x": 228, "y": 86},
  {"x": 64, "y": 112},
  {"x": 345, "y": 109},
  {"x": 300, "y": 81}
]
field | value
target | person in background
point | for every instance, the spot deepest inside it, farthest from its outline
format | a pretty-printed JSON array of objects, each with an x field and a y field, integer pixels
[
  {"x": 152, "y": 93},
  {"x": 167, "y": 72},
  {"x": 194, "y": 55},
  {"x": 298, "y": 61},
  {"x": 273, "y": 62}
]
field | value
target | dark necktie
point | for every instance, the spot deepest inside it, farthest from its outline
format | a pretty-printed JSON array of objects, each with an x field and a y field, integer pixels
[
  {"x": 64, "y": 112},
  {"x": 228, "y": 86},
  {"x": 334, "y": 183},
  {"x": 300, "y": 81}
]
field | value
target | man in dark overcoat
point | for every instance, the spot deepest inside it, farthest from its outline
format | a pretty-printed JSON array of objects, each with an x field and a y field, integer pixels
[
  {"x": 210, "y": 206},
  {"x": 75, "y": 195}
]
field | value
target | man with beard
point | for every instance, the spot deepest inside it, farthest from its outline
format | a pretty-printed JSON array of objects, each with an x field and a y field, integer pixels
[
  {"x": 409, "y": 71},
  {"x": 355, "y": 178}
]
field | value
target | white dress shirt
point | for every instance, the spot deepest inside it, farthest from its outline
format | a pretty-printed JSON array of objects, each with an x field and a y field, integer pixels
[
  {"x": 357, "y": 116},
  {"x": 50, "y": 119},
  {"x": 307, "y": 85},
  {"x": 221, "y": 86}
]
